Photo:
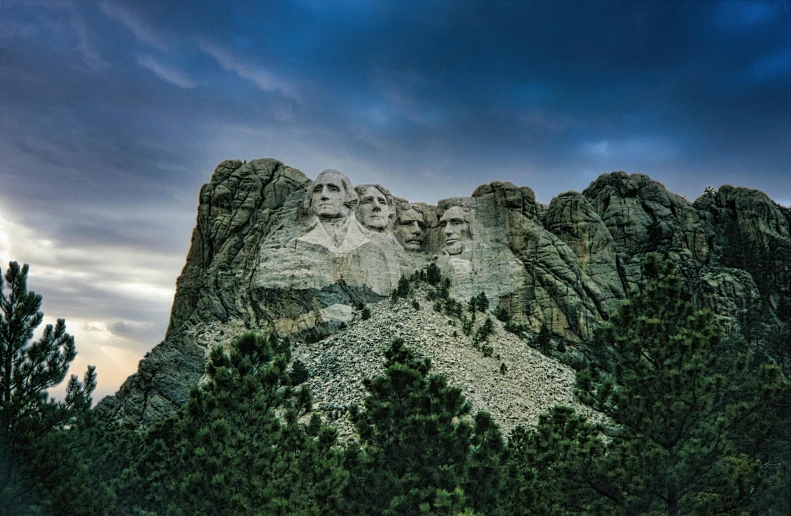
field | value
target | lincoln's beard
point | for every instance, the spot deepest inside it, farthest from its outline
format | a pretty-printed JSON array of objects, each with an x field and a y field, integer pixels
[{"x": 455, "y": 247}]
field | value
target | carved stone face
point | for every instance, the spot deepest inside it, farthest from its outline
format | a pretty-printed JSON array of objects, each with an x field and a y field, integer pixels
[
  {"x": 373, "y": 210},
  {"x": 411, "y": 230},
  {"x": 455, "y": 229},
  {"x": 328, "y": 196}
]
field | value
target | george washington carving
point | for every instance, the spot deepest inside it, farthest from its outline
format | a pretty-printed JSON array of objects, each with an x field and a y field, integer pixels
[{"x": 331, "y": 199}]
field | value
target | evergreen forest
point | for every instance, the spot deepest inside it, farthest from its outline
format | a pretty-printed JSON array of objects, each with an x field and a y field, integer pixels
[{"x": 693, "y": 422}]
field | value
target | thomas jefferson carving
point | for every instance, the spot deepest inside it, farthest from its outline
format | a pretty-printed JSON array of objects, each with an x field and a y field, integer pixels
[
  {"x": 375, "y": 209},
  {"x": 331, "y": 198},
  {"x": 411, "y": 228},
  {"x": 455, "y": 224}
]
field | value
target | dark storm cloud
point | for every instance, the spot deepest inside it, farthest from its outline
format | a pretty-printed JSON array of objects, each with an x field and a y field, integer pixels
[
  {"x": 473, "y": 83},
  {"x": 144, "y": 332},
  {"x": 112, "y": 114},
  {"x": 455, "y": 87}
]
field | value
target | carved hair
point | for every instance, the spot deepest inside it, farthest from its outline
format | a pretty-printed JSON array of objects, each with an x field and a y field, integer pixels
[
  {"x": 351, "y": 195},
  {"x": 408, "y": 206},
  {"x": 467, "y": 212},
  {"x": 360, "y": 189}
]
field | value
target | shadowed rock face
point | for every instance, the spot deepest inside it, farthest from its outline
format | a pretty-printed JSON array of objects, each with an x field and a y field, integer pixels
[{"x": 274, "y": 251}]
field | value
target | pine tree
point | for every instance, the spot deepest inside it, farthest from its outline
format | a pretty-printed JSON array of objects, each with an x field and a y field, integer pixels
[
  {"x": 77, "y": 466},
  {"x": 433, "y": 274},
  {"x": 544, "y": 340},
  {"x": 484, "y": 331},
  {"x": 478, "y": 303},
  {"x": 238, "y": 446},
  {"x": 685, "y": 432},
  {"x": 418, "y": 450},
  {"x": 678, "y": 421},
  {"x": 556, "y": 468},
  {"x": 404, "y": 289},
  {"x": 483, "y": 476},
  {"x": 27, "y": 369},
  {"x": 483, "y": 302}
]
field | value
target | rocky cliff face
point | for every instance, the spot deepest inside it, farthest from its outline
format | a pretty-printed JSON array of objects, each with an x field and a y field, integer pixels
[{"x": 274, "y": 251}]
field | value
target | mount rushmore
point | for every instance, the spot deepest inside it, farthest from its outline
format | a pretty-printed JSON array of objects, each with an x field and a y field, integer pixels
[
  {"x": 366, "y": 239},
  {"x": 275, "y": 251}
]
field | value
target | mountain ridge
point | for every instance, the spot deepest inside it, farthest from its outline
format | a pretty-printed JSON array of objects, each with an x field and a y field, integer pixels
[{"x": 265, "y": 257}]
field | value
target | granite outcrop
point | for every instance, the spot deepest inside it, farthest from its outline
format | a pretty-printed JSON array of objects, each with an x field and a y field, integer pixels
[{"x": 275, "y": 251}]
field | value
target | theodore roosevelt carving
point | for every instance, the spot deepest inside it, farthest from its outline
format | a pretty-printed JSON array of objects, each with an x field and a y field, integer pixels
[{"x": 410, "y": 228}]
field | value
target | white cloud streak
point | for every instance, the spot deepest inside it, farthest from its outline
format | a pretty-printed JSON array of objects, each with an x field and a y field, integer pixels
[
  {"x": 264, "y": 80},
  {"x": 87, "y": 50},
  {"x": 141, "y": 31},
  {"x": 643, "y": 148},
  {"x": 90, "y": 55},
  {"x": 166, "y": 72},
  {"x": 599, "y": 148}
]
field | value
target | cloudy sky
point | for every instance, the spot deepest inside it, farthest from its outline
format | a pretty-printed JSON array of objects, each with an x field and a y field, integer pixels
[{"x": 113, "y": 113}]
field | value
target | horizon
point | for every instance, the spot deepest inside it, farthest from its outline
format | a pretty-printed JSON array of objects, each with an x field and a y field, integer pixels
[
  {"x": 114, "y": 115},
  {"x": 108, "y": 390}
]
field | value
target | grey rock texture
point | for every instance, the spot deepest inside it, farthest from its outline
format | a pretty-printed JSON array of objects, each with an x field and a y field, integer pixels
[
  {"x": 274, "y": 251},
  {"x": 730, "y": 294},
  {"x": 528, "y": 385}
]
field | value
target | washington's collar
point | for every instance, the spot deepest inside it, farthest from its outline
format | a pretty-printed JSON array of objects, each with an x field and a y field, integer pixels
[{"x": 354, "y": 236}]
